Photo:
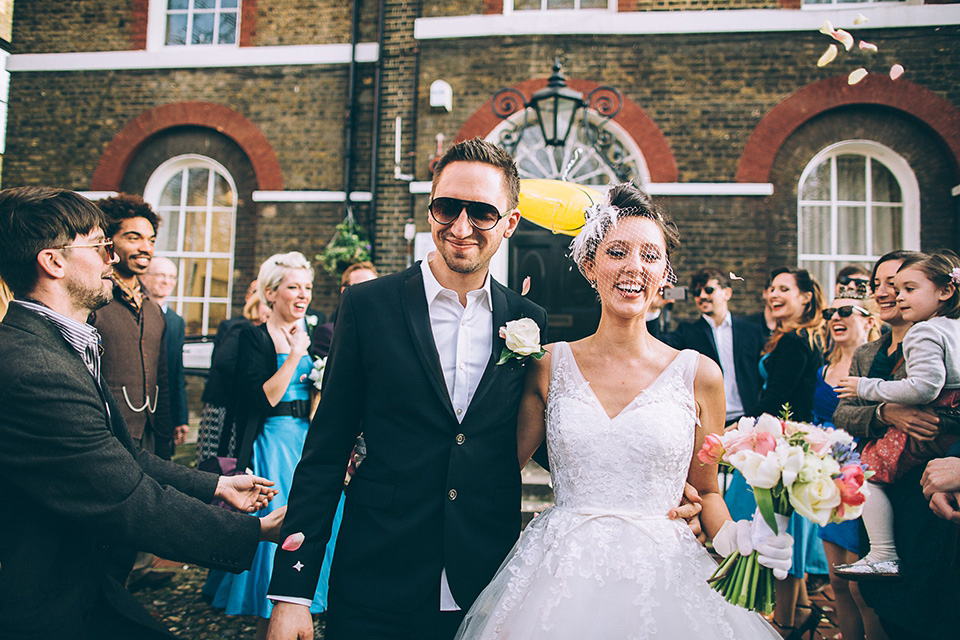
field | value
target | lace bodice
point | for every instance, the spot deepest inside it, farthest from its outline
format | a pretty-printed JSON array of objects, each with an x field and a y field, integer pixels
[{"x": 634, "y": 463}]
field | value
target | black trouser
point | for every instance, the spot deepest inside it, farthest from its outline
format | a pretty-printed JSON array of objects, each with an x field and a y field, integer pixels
[{"x": 347, "y": 621}]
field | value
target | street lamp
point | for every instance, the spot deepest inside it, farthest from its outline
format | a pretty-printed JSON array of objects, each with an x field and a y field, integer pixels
[{"x": 556, "y": 107}]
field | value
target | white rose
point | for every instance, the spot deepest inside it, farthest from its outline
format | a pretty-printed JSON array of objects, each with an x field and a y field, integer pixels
[
  {"x": 791, "y": 461},
  {"x": 766, "y": 423},
  {"x": 815, "y": 500},
  {"x": 522, "y": 336},
  {"x": 758, "y": 470}
]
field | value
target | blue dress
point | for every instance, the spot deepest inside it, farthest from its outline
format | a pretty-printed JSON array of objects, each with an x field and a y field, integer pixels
[
  {"x": 808, "y": 554},
  {"x": 844, "y": 534},
  {"x": 276, "y": 453}
]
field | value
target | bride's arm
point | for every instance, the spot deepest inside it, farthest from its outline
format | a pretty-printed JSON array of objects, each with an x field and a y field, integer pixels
[
  {"x": 531, "y": 425},
  {"x": 711, "y": 405}
]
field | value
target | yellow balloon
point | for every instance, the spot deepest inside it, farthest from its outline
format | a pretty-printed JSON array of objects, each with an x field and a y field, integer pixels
[{"x": 556, "y": 205}]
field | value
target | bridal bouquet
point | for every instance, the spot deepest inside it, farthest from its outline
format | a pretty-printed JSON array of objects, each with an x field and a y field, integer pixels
[{"x": 790, "y": 466}]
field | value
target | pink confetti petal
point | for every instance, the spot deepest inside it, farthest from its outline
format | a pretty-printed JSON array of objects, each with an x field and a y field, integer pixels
[
  {"x": 293, "y": 542},
  {"x": 844, "y": 38},
  {"x": 896, "y": 71},
  {"x": 868, "y": 47},
  {"x": 856, "y": 76},
  {"x": 827, "y": 28},
  {"x": 827, "y": 56},
  {"x": 860, "y": 19},
  {"x": 525, "y": 287}
]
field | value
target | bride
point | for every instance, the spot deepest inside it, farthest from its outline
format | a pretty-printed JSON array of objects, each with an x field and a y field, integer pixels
[{"x": 623, "y": 415}]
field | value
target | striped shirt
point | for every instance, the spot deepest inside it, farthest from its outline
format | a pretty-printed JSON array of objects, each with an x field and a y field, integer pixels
[{"x": 79, "y": 335}]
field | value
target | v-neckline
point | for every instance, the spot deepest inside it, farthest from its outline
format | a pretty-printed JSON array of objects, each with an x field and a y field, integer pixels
[{"x": 596, "y": 398}]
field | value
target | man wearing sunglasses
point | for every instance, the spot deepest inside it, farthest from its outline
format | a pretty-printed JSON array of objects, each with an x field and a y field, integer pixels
[
  {"x": 733, "y": 343},
  {"x": 83, "y": 488},
  {"x": 434, "y": 509}
]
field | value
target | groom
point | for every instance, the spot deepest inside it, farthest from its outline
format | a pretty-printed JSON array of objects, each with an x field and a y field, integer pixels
[{"x": 433, "y": 510}]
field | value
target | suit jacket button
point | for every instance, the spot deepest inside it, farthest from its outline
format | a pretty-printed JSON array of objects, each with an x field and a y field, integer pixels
[
  {"x": 452, "y": 494},
  {"x": 461, "y": 438}
]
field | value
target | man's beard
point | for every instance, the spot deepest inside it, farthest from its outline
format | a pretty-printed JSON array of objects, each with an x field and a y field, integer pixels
[{"x": 87, "y": 298}]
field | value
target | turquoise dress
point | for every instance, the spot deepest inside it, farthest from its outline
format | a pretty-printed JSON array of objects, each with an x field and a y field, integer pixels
[
  {"x": 276, "y": 453},
  {"x": 808, "y": 554}
]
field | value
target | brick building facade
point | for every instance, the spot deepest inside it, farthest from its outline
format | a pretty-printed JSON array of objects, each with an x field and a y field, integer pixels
[{"x": 725, "y": 115}]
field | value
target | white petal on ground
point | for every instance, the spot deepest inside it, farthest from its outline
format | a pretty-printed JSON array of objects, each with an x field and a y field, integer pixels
[
  {"x": 827, "y": 56},
  {"x": 857, "y": 76}
]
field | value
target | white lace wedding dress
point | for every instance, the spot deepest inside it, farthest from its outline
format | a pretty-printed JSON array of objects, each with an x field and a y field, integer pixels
[{"x": 606, "y": 562}]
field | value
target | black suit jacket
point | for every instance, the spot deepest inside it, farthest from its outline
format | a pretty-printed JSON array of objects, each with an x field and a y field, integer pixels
[
  {"x": 81, "y": 488},
  {"x": 432, "y": 493},
  {"x": 175, "y": 374},
  {"x": 748, "y": 341}
]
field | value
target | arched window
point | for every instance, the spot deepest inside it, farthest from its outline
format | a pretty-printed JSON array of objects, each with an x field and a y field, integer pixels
[
  {"x": 858, "y": 199},
  {"x": 196, "y": 199},
  {"x": 616, "y": 159}
]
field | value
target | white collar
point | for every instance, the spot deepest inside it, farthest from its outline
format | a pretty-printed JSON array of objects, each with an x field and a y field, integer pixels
[
  {"x": 726, "y": 322},
  {"x": 432, "y": 287}
]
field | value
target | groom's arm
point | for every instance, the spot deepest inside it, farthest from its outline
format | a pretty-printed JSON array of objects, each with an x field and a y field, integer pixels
[{"x": 318, "y": 480}]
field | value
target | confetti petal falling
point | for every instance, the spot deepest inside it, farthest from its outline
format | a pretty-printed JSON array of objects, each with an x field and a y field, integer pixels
[
  {"x": 734, "y": 276},
  {"x": 525, "y": 287},
  {"x": 827, "y": 28},
  {"x": 828, "y": 56},
  {"x": 844, "y": 38},
  {"x": 293, "y": 541},
  {"x": 860, "y": 19},
  {"x": 896, "y": 71},
  {"x": 868, "y": 47},
  {"x": 856, "y": 76}
]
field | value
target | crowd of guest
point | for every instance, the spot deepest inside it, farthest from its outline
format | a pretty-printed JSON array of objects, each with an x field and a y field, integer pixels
[{"x": 831, "y": 363}]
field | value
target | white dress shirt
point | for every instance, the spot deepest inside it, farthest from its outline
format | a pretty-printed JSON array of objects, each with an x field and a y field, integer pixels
[
  {"x": 723, "y": 336},
  {"x": 464, "y": 339}
]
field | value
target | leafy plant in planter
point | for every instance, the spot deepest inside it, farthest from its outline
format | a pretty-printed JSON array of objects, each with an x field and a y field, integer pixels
[{"x": 349, "y": 245}]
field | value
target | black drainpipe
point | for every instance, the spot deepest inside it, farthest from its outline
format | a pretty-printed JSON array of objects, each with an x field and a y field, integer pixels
[
  {"x": 413, "y": 117},
  {"x": 351, "y": 108},
  {"x": 375, "y": 143}
]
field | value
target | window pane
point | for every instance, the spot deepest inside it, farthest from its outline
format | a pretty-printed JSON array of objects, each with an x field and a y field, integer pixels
[
  {"x": 193, "y": 275},
  {"x": 167, "y": 233},
  {"x": 193, "y": 317},
  {"x": 815, "y": 230},
  {"x": 852, "y": 230},
  {"x": 593, "y": 4},
  {"x": 819, "y": 270},
  {"x": 202, "y": 28},
  {"x": 194, "y": 231},
  {"x": 221, "y": 231},
  {"x": 177, "y": 4},
  {"x": 885, "y": 186},
  {"x": 218, "y": 313},
  {"x": 851, "y": 178},
  {"x": 526, "y": 4},
  {"x": 171, "y": 192},
  {"x": 228, "y": 28},
  {"x": 204, "y": 4},
  {"x": 220, "y": 278},
  {"x": 177, "y": 29},
  {"x": 887, "y": 229},
  {"x": 817, "y": 184},
  {"x": 222, "y": 193},
  {"x": 559, "y": 4},
  {"x": 228, "y": 4},
  {"x": 197, "y": 182}
]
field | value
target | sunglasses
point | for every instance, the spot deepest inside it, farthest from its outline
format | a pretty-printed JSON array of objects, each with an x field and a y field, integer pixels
[
  {"x": 106, "y": 245},
  {"x": 482, "y": 216},
  {"x": 844, "y": 312},
  {"x": 845, "y": 280},
  {"x": 707, "y": 290}
]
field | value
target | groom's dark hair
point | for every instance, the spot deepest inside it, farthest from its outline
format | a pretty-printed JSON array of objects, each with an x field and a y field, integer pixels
[{"x": 479, "y": 150}]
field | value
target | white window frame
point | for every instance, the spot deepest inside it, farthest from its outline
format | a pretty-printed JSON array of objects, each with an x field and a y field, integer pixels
[
  {"x": 849, "y": 4},
  {"x": 151, "y": 194},
  {"x": 508, "y": 7},
  {"x": 157, "y": 28},
  {"x": 909, "y": 191}
]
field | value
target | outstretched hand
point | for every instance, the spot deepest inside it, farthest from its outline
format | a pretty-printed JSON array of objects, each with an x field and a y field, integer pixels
[
  {"x": 245, "y": 492},
  {"x": 847, "y": 387},
  {"x": 689, "y": 510}
]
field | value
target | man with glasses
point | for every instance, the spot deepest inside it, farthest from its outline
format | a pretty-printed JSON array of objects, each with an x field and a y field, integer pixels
[
  {"x": 160, "y": 280},
  {"x": 733, "y": 343},
  {"x": 82, "y": 487},
  {"x": 434, "y": 509},
  {"x": 852, "y": 279}
]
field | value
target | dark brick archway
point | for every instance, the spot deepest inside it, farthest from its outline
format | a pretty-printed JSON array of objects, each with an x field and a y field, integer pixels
[
  {"x": 771, "y": 133},
  {"x": 641, "y": 127},
  {"x": 114, "y": 162}
]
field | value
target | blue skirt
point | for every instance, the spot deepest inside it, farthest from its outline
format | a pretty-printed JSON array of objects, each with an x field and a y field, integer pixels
[
  {"x": 276, "y": 453},
  {"x": 808, "y": 554}
]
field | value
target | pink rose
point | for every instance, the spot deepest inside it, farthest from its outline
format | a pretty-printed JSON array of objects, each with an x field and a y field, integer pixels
[
  {"x": 850, "y": 481},
  {"x": 712, "y": 449},
  {"x": 761, "y": 442}
]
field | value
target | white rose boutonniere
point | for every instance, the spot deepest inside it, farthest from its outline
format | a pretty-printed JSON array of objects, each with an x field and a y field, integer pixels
[
  {"x": 311, "y": 321},
  {"x": 522, "y": 338},
  {"x": 316, "y": 374}
]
